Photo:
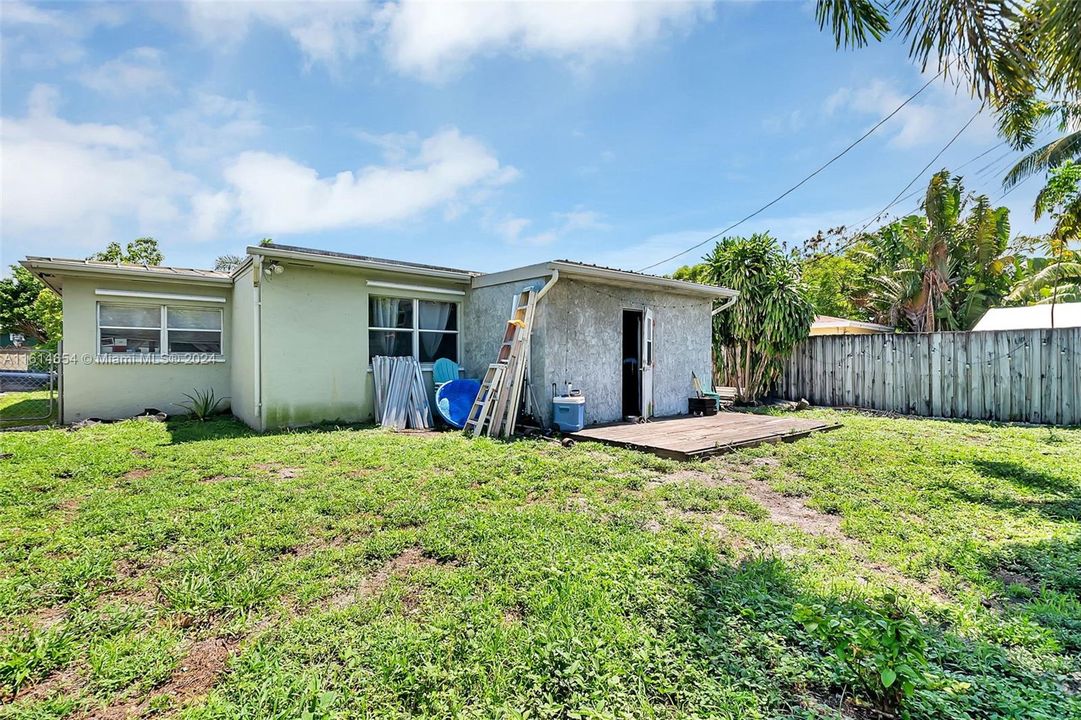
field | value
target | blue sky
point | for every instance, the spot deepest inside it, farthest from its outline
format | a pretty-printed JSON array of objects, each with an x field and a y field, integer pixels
[{"x": 478, "y": 135}]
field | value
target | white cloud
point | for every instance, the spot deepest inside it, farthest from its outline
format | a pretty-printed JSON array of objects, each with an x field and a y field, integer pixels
[
  {"x": 275, "y": 194},
  {"x": 40, "y": 36},
  {"x": 136, "y": 71},
  {"x": 73, "y": 180},
  {"x": 214, "y": 127},
  {"x": 931, "y": 118},
  {"x": 513, "y": 229},
  {"x": 432, "y": 40},
  {"x": 325, "y": 32}
]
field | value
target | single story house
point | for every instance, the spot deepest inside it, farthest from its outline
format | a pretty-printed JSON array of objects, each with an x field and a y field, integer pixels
[
  {"x": 829, "y": 325},
  {"x": 1032, "y": 317},
  {"x": 288, "y": 335}
]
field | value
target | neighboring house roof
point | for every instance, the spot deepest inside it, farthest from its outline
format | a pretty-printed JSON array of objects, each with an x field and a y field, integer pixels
[
  {"x": 829, "y": 325},
  {"x": 1031, "y": 317}
]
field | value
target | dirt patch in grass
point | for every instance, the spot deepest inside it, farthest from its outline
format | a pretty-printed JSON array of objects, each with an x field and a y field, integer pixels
[
  {"x": 1010, "y": 577},
  {"x": 197, "y": 673},
  {"x": 278, "y": 470},
  {"x": 787, "y": 510},
  {"x": 214, "y": 479},
  {"x": 69, "y": 506},
  {"x": 137, "y": 474},
  {"x": 66, "y": 681},
  {"x": 200, "y": 670},
  {"x": 46, "y": 618},
  {"x": 398, "y": 566},
  {"x": 682, "y": 476}
]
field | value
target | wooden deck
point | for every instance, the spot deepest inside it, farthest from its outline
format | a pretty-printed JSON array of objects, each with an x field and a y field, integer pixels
[{"x": 684, "y": 438}]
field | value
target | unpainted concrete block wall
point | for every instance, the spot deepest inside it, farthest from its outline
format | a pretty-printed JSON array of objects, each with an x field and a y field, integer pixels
[
  {"x": 584, "y": 345},
  {"x": 577, "y": 338}
]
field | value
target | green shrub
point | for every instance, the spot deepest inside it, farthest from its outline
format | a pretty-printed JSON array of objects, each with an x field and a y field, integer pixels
[
  {"x": 881, "y": 649},
  {"x": 203, "y": 404}
]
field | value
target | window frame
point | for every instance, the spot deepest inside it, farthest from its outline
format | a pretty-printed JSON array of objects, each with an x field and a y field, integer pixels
[
  {"x": 163, "y": 355},
  {"x": 416, "y": 330}
]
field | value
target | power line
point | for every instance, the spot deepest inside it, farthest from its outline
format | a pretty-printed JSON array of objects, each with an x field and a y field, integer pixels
[
  {"x": 917, "y": 191},
  {"x": 900, "y": 197},
  {"x": 790, "y": 190},
  {"x": 918, "y": 175}
]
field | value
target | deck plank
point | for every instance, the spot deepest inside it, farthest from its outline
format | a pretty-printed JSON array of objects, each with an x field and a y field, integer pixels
[{"x": 684, "y": 437}]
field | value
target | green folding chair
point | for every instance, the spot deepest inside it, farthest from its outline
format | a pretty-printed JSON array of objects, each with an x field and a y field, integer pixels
[{"x": 702, "y": 393}]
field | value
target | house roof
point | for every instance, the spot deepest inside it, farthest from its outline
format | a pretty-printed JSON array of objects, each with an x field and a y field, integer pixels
[
  {"x": 605, "y": 275},
  {"x": 828, "y": 321},
  {"x": 51, "y": 271},
  {"x": 1031, "y": 317},
  {"x": 285, "y": 252}
]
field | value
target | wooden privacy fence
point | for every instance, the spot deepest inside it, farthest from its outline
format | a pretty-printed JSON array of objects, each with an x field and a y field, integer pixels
[{"x": 1018, "y": 375}]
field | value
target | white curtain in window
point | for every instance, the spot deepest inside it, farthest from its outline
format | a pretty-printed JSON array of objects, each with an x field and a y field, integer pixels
[
  {"x": 433, "y": 316},
  {"x": 385, "y": 312}
]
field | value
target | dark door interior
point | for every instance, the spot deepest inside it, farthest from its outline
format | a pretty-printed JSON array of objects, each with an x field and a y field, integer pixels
[{"x": 632, "y": 356}]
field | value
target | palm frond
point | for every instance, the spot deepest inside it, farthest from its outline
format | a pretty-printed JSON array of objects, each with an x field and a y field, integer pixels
[
  {"x": 1060, "y": 43},
  {"x": 1067, "y": 147},
  {"x": 852, "y": 21},
  {"x": 1059, "y": 273}
]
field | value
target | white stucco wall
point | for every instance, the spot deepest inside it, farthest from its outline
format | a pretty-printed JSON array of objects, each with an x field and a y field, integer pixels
[
  {"x": 95, "y": 389},
  {"x": 242, "y": 357}
]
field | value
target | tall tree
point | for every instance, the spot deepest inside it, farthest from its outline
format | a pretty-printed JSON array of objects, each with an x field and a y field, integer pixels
[
  {"x": 1021, "y": 56},
  {"x": 1059, "y": 279},
  {"x": 30, "y": 308},
  {"x": 226, "y": 263},
  {"x": 772, "y": 314},
  {"x": 941, "y": 271},
  {"x": 141, "y": 251}
]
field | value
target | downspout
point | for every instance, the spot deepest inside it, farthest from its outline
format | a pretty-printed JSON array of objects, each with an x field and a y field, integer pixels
[
  {"x": 724, "y": 306},
  {"x": 257, "y": 365},
  {"x": 548, "y": 285},
  {"x": 529, "y": 361}
]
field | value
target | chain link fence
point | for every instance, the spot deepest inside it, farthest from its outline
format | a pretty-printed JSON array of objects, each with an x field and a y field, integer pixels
[{"x": 29, "y": 388}]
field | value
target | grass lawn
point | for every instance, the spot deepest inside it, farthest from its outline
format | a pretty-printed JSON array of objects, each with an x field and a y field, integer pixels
[
  {"x": 205, "y": 571},
  {"x": 35, "y": 407}
]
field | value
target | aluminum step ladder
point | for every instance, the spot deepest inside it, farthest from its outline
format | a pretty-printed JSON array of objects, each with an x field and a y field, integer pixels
[{"x": 495, "y": 410}]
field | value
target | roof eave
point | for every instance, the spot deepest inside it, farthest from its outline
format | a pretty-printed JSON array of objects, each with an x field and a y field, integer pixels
[
  {"x": 280, "y": 254},
  {"x": 683, "y": 287},
  {"x": 45, "y": 268}
]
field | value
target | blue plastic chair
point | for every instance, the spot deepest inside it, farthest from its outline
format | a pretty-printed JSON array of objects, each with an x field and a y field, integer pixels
[{"x": 443, "y": 371}]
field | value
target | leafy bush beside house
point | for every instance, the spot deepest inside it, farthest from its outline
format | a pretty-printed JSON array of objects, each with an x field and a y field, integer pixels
[{"x": 773, "y": 313}]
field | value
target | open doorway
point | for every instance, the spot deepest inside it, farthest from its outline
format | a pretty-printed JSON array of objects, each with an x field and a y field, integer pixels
[{"x": 632, "y": 362}]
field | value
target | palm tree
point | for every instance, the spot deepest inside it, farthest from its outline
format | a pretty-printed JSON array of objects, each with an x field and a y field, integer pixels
[
  {"x": 941, "y": 271},
  {"x": 1022, "y": 56},
  {"x": 1058, "y": 280}
]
